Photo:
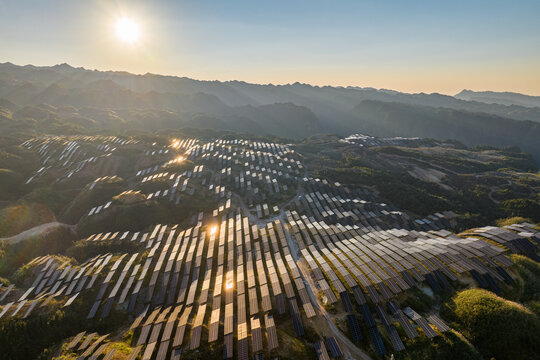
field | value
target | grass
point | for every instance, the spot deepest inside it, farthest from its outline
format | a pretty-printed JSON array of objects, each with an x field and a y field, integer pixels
[
  {"x": 526, "y": 289},
  {"x": 17, "y": 218},
  {"x": 512, "y": 220}
]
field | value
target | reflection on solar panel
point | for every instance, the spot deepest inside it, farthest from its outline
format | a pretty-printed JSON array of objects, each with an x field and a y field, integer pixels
[
  {"x": 271, "y": 332},
  {"x": 76, "y": 340},
  {"x": 256, "y": 335}
]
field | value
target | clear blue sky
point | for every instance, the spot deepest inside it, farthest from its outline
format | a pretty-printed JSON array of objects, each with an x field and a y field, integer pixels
[{"x": 413, "y": 46}]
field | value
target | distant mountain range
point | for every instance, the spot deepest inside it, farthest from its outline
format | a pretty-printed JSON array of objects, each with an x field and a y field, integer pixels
[
  {"x": 117, "y": 100},
  {"x": 503, "y": 98}
]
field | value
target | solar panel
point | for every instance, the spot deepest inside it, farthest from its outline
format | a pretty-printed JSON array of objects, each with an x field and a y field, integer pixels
[
  {"x": 438, "y": 323},
  {"x": 424, "y": 325},
  {"x": 366, "y": 315},
  {"x": 405, "y": 324},
  {"x": 295, "y": 315},
  {"x": 333, "y": 346},
  {"x": 76, "y": 340},
  {"x": 396, "y": 342},
  {"x": 354, "y": 327},
  {"x": 320, "y": 349},
  {"x": 377, "y": 341},
  {"x": 271, "y": 331},
  {"x": 346, "y": 300},
  {"x": 383, "y": 315},
  {"x": 256, "y": 335},
  {"x": 505, "y": 275}
]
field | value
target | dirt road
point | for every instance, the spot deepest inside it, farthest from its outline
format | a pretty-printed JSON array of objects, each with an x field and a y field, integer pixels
[{"x": 35, "y": 231}]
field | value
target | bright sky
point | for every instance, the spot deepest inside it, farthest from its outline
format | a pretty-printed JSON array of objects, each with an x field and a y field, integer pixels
[{"x": 412, "y": 46}]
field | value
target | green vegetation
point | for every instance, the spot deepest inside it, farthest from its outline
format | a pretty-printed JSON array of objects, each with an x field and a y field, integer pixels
[
  {"x": 86, "y": 199},
  {"x": 292, "y": 347},
  {"x": 511, "y": 220},
  {"x": 418, "y": 300},
  {"x": 400, "y": 189},
  {"x": 17, "y": 218},
  {"x": 213, "y": 350},
  {"x": 84, "y": 249},
  {"x": 497, "y": 327},
  {"x": 527, "y": 286},
  {"x": 522, "y": 208},
  {"x": 137, "y": 216},
  {"x": 328, "y": 306},
  {"x": 55, "y": 241},
  {"x": 467, "y": 180},
  {"x": 415, "y": 195},
  {"x": 446, "y": 346},
  {"x": 31, "y": 338},
  {"x": 10, "y": 182},
  {"x": 16, "y": 163},
  {"x": 55, "y": 197}
]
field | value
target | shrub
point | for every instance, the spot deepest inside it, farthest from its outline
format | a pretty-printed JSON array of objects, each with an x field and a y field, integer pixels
[
  {"x": 529, "y": 270},
  {"x": 522, "y": 207},
  {"x": 55, "y": 241},
  {"x": 511, "y": 221},
  {"x": 497, "y": 327},
  {"x": 448, "y": 346}
]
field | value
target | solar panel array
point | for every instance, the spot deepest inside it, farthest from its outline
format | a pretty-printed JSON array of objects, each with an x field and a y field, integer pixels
[
  {"x": 225, "y": 276},
  {"x": 74, "y": 154},
  {"x": 205, "y": 277}
]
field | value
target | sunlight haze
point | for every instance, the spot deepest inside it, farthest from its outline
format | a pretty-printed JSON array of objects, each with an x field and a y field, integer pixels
[{"x": 417, "y": 46}]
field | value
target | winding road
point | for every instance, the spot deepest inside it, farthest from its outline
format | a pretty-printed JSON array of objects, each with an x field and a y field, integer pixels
[{"x": 35, "y": 231}]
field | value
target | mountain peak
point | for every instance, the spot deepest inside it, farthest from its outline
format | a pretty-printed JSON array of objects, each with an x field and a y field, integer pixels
[{"x": 63, "y": 66}]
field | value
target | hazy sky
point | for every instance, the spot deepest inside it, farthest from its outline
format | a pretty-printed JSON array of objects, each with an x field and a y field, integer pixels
[{"x": 413, "y": 46}]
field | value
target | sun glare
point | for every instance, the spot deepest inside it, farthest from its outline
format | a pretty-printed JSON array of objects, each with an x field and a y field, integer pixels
[{"x": 127, "y": 30}]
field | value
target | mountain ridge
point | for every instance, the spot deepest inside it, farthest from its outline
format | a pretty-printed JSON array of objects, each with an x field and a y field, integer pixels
[
  {"x": 291, "y": 110},
  {"x": 503, "y": 98}
]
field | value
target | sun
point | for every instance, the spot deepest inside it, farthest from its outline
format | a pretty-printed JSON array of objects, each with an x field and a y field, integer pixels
[{"x": 127, "y": 30}]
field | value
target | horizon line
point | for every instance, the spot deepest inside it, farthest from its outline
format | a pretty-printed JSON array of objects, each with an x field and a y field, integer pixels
[{"x": 347, "y": 87}]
